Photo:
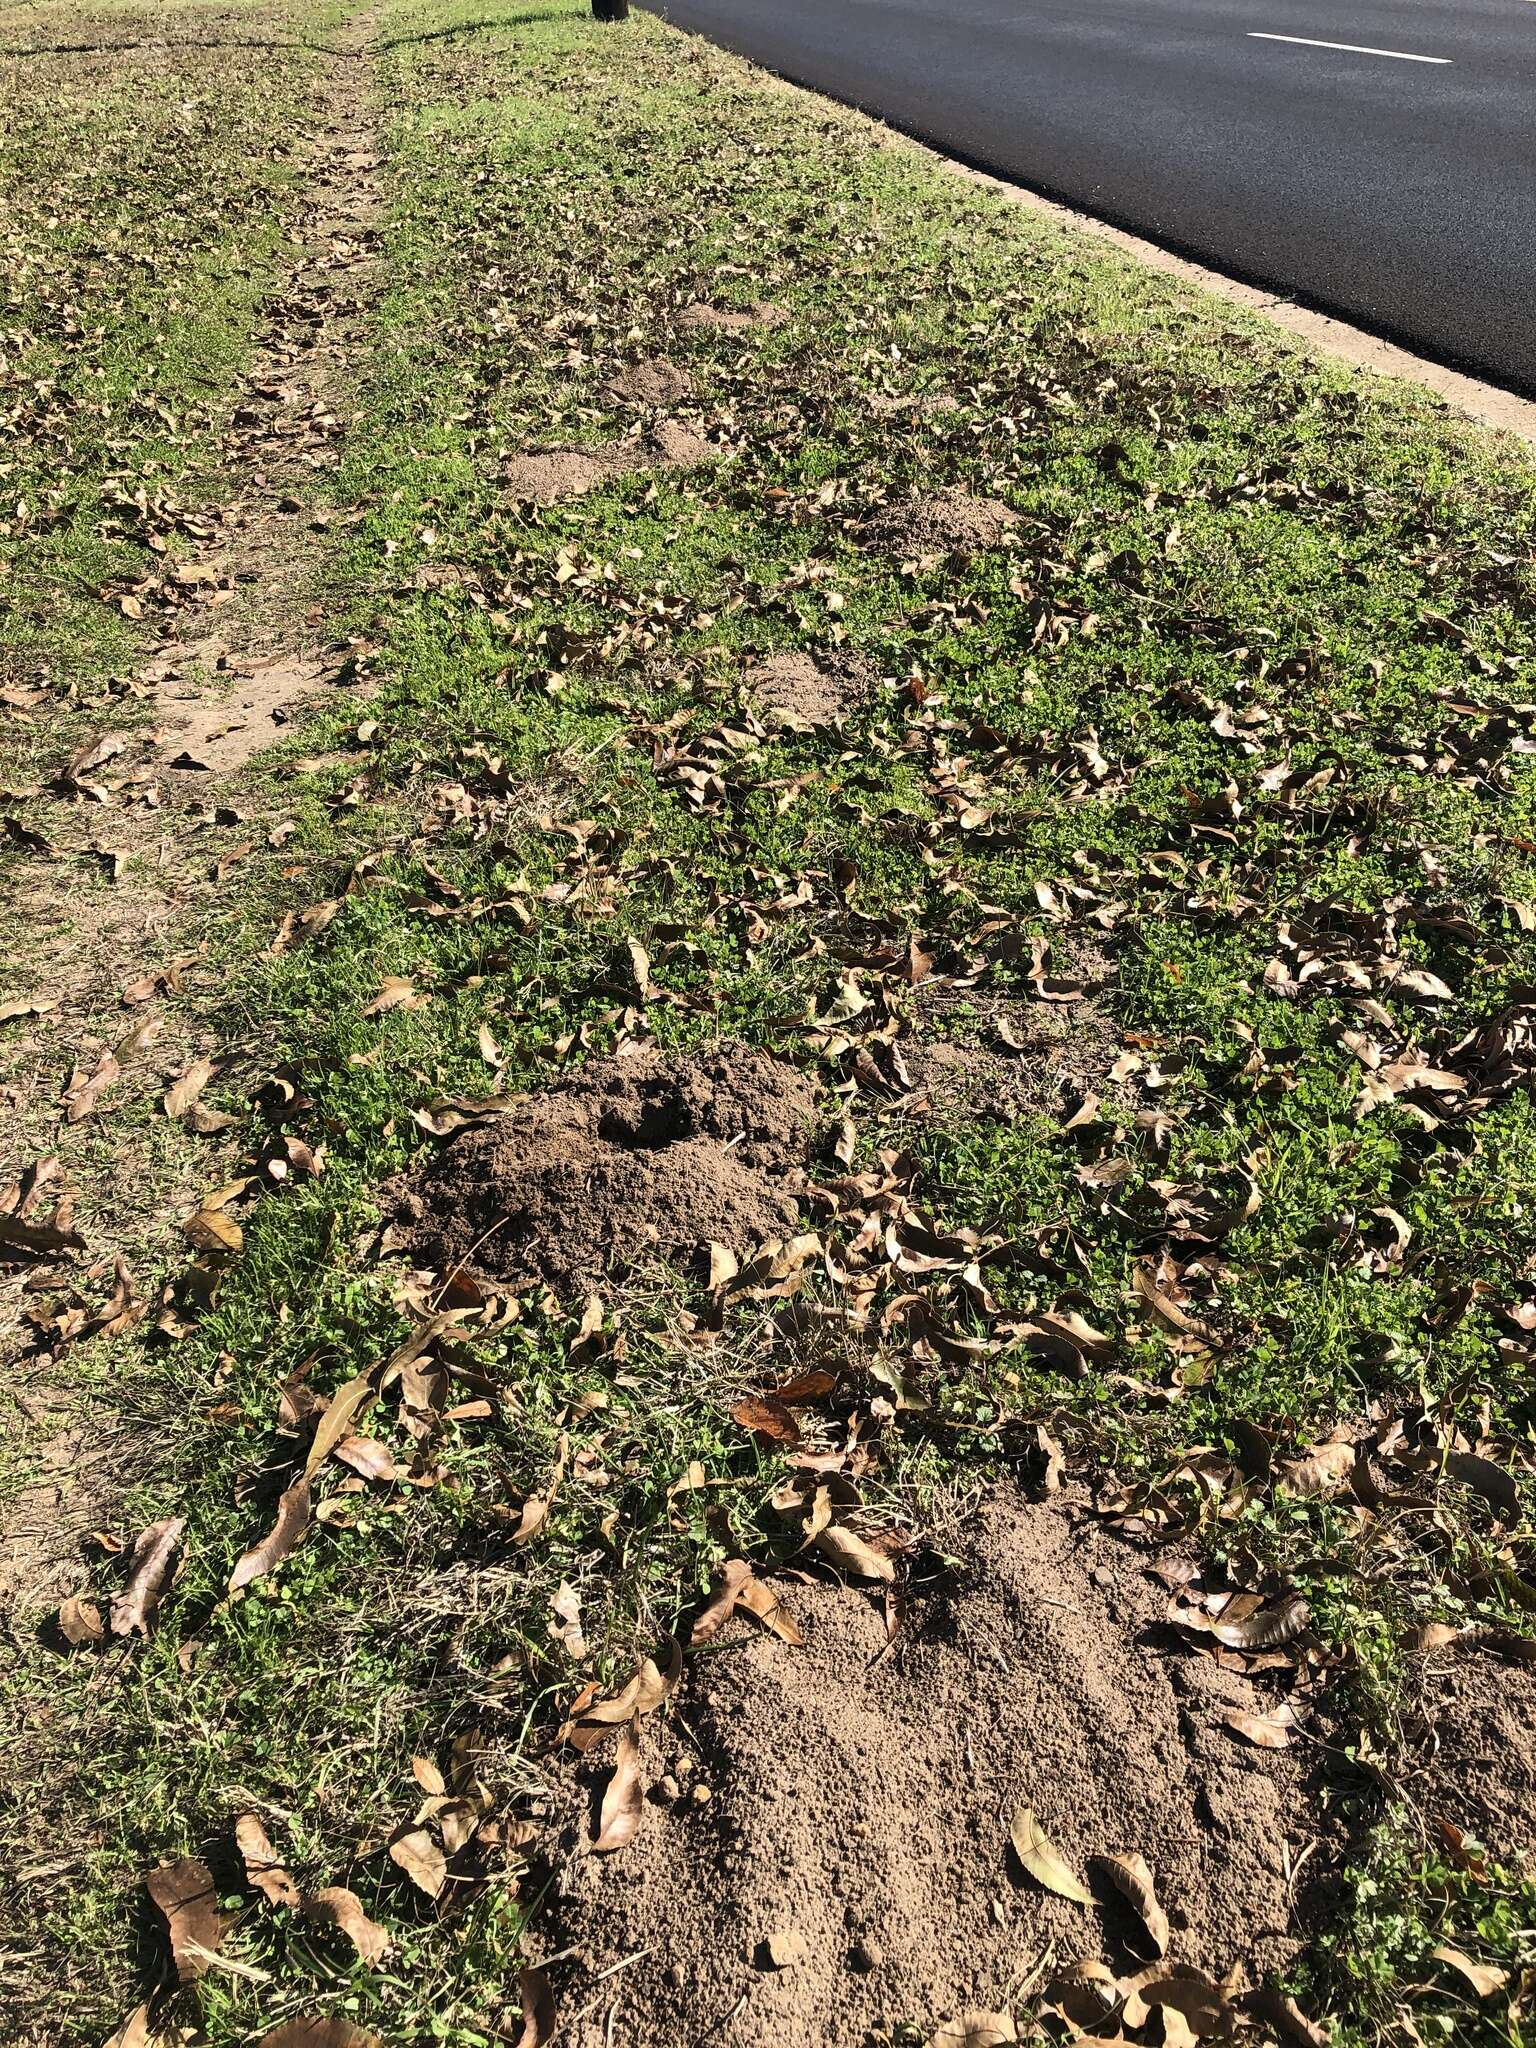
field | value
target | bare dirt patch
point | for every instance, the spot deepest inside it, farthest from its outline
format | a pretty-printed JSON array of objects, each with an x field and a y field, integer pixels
[
  {"x": 552, "y": 475},
  {"x": 730, "y": 319},
  {"x": 1476, "y": 1741},
  {"x": 217, "y": 732},
  {"x": 656, "y": 382},
  {"x": 812, "y": 689},
  {"x": 630, "y": 1160},
  {"x": 950, "y": 522},
  {"x": 861, "y": 1796}
]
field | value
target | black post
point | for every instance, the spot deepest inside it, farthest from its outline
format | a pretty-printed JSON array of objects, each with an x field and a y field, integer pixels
[{"x": 610, "y": 10}]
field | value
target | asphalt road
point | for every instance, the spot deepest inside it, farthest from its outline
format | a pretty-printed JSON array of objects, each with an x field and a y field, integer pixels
[{"x": 1399, "y": 195}]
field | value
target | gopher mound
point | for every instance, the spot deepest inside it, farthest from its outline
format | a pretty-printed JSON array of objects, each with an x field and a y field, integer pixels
[
  {"x": 950, "y": 522},
  {"x": 553, "y": 475},
  {"x": 1478, "y": 1748},
  {"x": 628, "y": 1161},
  {"x": 860, "y": 1797},
  {"x": 657, "y": 382},
  {"x": 812, "y": 689}
]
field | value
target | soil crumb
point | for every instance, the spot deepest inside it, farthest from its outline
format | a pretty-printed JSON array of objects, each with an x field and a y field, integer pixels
[
  {"x": 861, "y": 1797},
  {"x": 631, "y": 1160},
  {"x": 657, "y": 382},
  {"x": 951, "y": 522},
  {"x": 1479, "y": 1744},
  {"x": 552, "y": 475},
  {"x": 812, "y": 689},
  {"x": 732, "y": 319}
]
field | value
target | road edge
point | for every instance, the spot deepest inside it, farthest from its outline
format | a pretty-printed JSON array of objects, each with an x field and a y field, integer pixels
[{"x": 1488, "y": 405}]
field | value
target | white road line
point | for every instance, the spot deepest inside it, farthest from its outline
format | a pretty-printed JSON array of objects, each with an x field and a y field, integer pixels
[{"x": 1357, "y": 49}]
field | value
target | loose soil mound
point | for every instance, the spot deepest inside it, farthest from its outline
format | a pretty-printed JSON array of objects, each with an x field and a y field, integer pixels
[
  {"x": 812, "y": 690},
  {"x": 862, "y": 1797},
  {"x": 550, "y": 476},
  {"x": 951, "y": 522},
  {"x": 657, "y": 382},
  {"x": 731, "y": 318},
  {"x": 1479, "y": 1747},
  {"x": 630, "y": 1160}
]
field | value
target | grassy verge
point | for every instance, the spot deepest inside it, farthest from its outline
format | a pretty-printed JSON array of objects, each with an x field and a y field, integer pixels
[{"x": 1234, "y": 726}]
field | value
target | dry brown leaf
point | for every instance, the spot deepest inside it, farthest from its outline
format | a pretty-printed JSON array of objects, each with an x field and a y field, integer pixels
[
  {"x": 149, "y": 1574},
  {"x": 344, "y": 1405},
  {"x": 1130, "y": 1875},
  {"x": 1043, "y": 1861},
  {"x": 623, "y": 1795},
  {"x": 328, "y": 2033},
  {"x": 210, "y": 1230},
  {"x": 1266, "y": 1627},
  {"x": 79, "y": 1621},
  {"x": 1321, "y": 1472},
  {"x": 262, "y": 1867},
  {"x": 1484, "y": 1978},
  {"x": 280, "y": 1540},
  {"x": 421, "y": 1859},
  {"x": 396, "y": 992},
  {"x": 187, "y": 1899},
  {"x": 850, "y": 1553},
  {"x": 337, "y": 1907},
  {"x": 1265, "y": 1731},
  {"x": 182, "y": 1093},
  {"x": 764, "y": 1605},
  {"x": 137, "y": 2031},
  {"x": 765, "y": 1415},
  {"x": 537, "y": 2000},
  {"x": 975, "y": 2030}
]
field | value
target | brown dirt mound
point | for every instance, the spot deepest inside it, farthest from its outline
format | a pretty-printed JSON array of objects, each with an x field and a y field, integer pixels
[
  {"x": 733, "y": 319},
  {"x": 950, "y": 522},
  {"x": 862, "y": 1797},
  {"x": 657, "y": 382},
  {"x": 629, "y": 1160},
  {"x": 812, "y": 689},
  {"x": 552, "y": 475},
  {"x": 1479, "y": 1748}
]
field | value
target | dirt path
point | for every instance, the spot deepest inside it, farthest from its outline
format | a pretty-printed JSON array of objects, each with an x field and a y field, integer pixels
[{"x": 91, "y": 1199}]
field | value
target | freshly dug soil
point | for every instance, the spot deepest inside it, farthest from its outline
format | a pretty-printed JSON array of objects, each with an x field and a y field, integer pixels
[
  {"x": 657, "y": 382},
  {"x": 861, "y": 1797},
  {"x": 630, "y": 1161},
  {"x": 951, "y": 522},
  {"x": 731, "y": 318},
  {"x": 1478, "y": 1749},
  {"x": 550, "y": 476},
  {"x": 812, "y": 689}
]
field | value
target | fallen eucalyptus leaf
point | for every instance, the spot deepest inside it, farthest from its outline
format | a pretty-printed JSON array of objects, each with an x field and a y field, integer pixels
[
  {"x": 1130, "y": 1875},
  {"x": 149, "y": 1574},
  {"x": 262, "y": 1867},
  {"x": 1042, "y": 1860},
  {"x": 187, "y": 1899},
  {"x": 337, "y": 1907},
  {"x": 623, "y": 1797}
]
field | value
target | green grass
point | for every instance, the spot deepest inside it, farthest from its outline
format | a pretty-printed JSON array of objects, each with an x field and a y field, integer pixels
[{"x": 1208, "y": 520}]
